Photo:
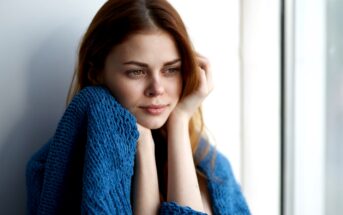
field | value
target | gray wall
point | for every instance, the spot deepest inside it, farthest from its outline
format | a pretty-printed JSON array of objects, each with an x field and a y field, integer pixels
[{"x": 38, "y": 43}]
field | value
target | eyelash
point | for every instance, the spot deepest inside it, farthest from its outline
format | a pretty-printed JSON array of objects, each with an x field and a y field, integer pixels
[
  {"x": 173, "y": 70},
  {"x": 138, "y": 73}
]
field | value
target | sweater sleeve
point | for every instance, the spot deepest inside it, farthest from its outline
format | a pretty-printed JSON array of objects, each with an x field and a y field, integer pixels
[
  {"x": 86, "y": 168},
  {"x": 109, "y": 156},
  {"x": 228, "y": 195},
  {"x": 34, "y": 178}
]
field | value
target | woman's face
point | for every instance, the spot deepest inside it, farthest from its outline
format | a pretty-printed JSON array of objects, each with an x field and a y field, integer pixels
[{"x": 144, "y": 75}]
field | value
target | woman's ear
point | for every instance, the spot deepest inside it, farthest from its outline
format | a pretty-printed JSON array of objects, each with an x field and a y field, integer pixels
[{"x": 100, "y": 77}]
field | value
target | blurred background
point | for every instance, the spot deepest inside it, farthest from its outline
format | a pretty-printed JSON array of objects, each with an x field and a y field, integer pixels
[{"x": 276, "y": 111}]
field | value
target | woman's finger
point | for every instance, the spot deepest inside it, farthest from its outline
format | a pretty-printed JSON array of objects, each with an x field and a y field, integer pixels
[{"x": 204, "y": 65}]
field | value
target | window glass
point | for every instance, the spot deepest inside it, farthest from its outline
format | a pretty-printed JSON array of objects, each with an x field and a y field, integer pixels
[{"x": 334, "y": 114}]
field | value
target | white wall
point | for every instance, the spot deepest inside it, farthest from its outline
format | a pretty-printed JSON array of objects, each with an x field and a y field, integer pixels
[
  {"x": 214, "y": 27},
  {"x": 38, "y": 43}
]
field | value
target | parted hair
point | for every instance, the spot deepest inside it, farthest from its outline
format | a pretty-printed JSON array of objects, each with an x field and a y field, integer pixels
[{"x": 117, "y": 20}]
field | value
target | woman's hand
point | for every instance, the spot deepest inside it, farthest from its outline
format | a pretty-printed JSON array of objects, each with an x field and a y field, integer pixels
[
  {"x": 188, "y": 105},
  {"x": 183, "y": 186},
  {"x": 145, "y": 137}
]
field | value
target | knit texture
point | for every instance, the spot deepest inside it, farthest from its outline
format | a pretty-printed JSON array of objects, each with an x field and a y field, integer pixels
[
  {"x": 223, "y": 188},
  {"x": 86, "y": 168}
]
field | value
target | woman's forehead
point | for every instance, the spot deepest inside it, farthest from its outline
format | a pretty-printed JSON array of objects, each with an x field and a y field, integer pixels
[{"x": 153, "y": 46}]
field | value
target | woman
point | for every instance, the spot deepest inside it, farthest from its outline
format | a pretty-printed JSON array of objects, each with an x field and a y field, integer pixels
[{"x": 140, "y": 52}]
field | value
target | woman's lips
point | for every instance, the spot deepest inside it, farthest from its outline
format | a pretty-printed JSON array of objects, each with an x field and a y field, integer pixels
[{"x": 154, "y": 109}]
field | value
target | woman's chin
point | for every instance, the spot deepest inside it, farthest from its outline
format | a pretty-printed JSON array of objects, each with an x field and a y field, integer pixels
[{"x": 151, "y": 124}]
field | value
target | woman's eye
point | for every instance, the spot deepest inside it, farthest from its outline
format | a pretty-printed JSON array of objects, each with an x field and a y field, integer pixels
[
  {"x": 136, "y": 73},
  {"x": 172, "y": 70}
]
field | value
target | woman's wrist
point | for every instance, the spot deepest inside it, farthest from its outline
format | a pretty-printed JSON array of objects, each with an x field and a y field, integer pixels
[
  {"x": 178, "y": 116},
  {"x": 145, "y": 143}
]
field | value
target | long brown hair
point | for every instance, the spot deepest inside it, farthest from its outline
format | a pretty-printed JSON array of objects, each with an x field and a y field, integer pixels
[{"x": 116, "y": 21}]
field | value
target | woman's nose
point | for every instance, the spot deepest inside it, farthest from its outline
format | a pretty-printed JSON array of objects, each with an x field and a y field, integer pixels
[{"x": 154, "y": 88}]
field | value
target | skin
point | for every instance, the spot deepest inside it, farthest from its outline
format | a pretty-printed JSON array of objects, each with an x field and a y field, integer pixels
[
  {"x": 141, "y": 73},
  {"x": 144, "y": 75}
]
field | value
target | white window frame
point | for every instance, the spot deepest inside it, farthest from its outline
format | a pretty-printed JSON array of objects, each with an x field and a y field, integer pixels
[
  {"x": 305, "y": 130},
  {"x": 261, "y": 96}
]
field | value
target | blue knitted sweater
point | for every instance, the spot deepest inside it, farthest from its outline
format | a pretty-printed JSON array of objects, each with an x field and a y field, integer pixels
[{"x": 87, "y": 167}]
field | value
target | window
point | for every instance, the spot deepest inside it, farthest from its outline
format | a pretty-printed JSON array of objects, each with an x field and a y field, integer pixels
[{"x": 314, "y": 76}]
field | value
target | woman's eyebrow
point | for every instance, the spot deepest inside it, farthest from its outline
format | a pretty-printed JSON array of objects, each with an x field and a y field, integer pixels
[
  {"x": 171, "y": 62},
  {"x": 137, "y": 63}
]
